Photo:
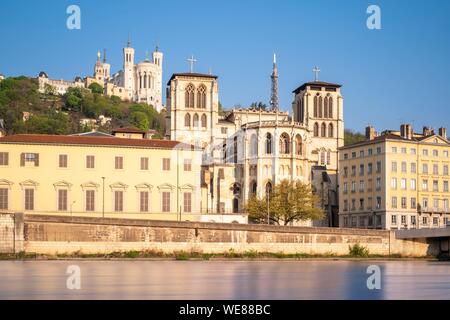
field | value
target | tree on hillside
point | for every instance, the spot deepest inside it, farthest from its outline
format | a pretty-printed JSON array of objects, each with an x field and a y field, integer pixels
[
  {"x": 351, "y": 137},
  {"x": 139, "y": 120},
  {"x": 96, "y": 88},
  {"x": 288, "y": 202},
  {"x": 50, "y": 123}
]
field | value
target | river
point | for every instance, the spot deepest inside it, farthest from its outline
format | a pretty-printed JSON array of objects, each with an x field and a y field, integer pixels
[{"x": 136, "y": 279}]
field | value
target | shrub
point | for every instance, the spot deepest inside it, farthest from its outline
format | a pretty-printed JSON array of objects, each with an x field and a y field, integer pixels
[{"x": 358, "y": 250}]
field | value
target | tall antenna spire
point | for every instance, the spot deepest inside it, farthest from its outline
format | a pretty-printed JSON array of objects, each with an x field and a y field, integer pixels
[
  {"x": 274, "y": 92},
  {"x": 129, "y": 40},
  {"x": 104, "y": 55}
]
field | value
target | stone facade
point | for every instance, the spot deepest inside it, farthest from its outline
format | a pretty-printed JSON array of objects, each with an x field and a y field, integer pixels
[{"x": 248, "y": 151}]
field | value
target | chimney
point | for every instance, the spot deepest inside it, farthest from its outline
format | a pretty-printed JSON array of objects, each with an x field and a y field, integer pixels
[
  {"x": 370, "y": 133},
  {"x": 443, "y": 132},
  {"x": 406, "y": 131},
  {"x": 426, "y": 131}
]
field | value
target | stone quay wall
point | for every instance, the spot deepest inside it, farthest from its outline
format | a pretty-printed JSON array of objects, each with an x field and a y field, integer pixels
[{"x": 68, "y": 235}]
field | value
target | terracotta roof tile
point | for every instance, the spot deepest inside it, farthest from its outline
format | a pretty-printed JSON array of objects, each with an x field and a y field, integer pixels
[{"x": 94, "y": 141}]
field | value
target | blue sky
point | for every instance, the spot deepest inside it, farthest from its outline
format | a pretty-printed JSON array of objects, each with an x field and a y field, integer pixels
[{"x": 400, "y": 73}]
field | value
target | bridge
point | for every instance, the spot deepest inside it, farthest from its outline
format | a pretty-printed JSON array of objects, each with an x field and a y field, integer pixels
[{"x": 438, "y": 236}]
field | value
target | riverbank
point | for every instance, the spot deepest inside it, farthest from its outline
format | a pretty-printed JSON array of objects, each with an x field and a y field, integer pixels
[{"x": 229, "y": 255}]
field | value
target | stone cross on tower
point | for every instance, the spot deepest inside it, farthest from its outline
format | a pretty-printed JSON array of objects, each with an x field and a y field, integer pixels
[
  {"x": 316, "y": 71},
  {"x": 191, "y": 61}
]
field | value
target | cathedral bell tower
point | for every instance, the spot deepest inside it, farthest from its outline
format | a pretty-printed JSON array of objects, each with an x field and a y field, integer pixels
[{"x": 128, "y": 67}]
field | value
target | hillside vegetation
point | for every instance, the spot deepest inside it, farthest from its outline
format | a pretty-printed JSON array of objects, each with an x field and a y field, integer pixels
[{"x": 54, "y": 114}]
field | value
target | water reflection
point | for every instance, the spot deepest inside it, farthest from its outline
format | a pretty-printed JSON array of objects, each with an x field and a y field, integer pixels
[{"x": 224, "y": 280}]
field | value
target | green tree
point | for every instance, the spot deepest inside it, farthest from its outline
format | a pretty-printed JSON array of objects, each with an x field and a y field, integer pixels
[
  {"x": 288, "y": 202},
  {"x": 49, "y": 90},
  {"x": 96, "y": 88},
  {"x": 51, "y": 123},
  {"x": 351, "y": 137},
  {"x": 139, "y": 120}
]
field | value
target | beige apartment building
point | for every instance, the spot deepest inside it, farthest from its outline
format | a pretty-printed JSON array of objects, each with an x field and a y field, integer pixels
[
  {"x": 395, "y": 180},
  {"x": 100, "y": 176}
]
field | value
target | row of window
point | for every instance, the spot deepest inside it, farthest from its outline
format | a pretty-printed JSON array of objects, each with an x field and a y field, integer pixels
[
  {"x": 63, "y": 161},
  {"x": 90, "y": 200},
  {"x": 403, "y": 150},
  {"x": 362, "y": 186},
  {"x": 413, "y": 168},
  {"x": 324, "y": 132},
  {"x": 361, "y": 205},
  {"x": 323, "y": 107},
  {"x": 189, "y": 98},
  {"x": 413, "y": 187},
  {"x": 413, "y": 220},
  {"x": 364, "y": 221},
  {"x": 196, "y": 121},
  {"x": 362, "y": 169},
  {"x": 367, "y": 221}
]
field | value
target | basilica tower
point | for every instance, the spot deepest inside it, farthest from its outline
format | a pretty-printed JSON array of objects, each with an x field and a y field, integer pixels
[{"x": 128, "y": 67}]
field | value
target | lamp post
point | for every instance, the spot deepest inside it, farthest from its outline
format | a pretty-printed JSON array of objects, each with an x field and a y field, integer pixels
[
  {"x": 268, "y": 207},
  {"x": 103, "y": 198}
]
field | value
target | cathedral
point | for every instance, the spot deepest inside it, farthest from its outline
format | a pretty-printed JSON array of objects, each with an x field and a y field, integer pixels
[
  {"x": 138, "y": 82},
  {"x": 247, "y": 151}
]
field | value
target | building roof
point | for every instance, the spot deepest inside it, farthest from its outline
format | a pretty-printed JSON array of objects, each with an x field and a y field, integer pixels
[
  {"x": 316, "y": 83},
  {"x": 93, "y": 134},
  {"x": 191, "y": 74},
  {"x": 94, "y": 141},
  {"x": 128, "y": 130}
]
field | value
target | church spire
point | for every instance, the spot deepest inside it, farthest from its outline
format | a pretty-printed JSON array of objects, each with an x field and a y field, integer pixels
[
  {"x": 104, "y": 55},
  {"x": 129, "y": 41},
  {"x": 274, "y": 92}
]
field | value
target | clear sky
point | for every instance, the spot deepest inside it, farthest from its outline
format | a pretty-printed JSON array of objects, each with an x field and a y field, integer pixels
[{"x": 400, "y": 73}]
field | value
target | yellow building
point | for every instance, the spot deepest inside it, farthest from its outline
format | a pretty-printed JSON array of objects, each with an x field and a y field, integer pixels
[
  {"x": 397, "y": 180},
  {"x": 91, "y": 175}
]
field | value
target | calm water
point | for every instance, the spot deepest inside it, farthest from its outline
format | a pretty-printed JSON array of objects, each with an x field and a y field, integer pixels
[{"x": 224, "y": 280}]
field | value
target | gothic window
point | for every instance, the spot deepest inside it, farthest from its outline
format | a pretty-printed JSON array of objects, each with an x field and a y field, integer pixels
[
  {"x": 254, "y": 145},
  {"x": 328, "y": 157},
  {"x": 187, "y": 120},
  {"x": 325, "y": 108},
  {"x": 330, "y": 107},
  {"x": 140, "y": 81},
  {"x": 235, "y": 150},
  {"x": 268, "y": 143},
  {"x": 189, "y": 96},
  {"x": 322, "y": 157},
  {"x": 323, "y": 131},
  {"x": 269, "y": 187},
  {"x": 316, "y": 129},
  {"x": 195, "y": 122},
  {"x": 145, "y": 79},
  {"x": 298, "y": 145},
  {"x": 320, "y": 107},
  {"x": 201, "y": 97},
  {"x": 284, "y": 144},
  {"x": 315, "y": 107},
  {"x": 203, "y": 120},
  {"x": 330, "y": 130},
  {"x": 253, "y": 187}
]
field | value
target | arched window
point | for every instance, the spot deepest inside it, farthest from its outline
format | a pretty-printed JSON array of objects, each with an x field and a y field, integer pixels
[
  {"x": 330, "y": 130},
  {"x": 203, "y": 120},
  {"x": 320, "y": 107},
  {"x": 235, "y": 205},
  {"x": 189, "y": 96},
  {"x": 254, "y": 145},
  {"x": 323, "y": 131},
  {"x": 140, "y": 81},
  {"x": 315, "y": 107},
  {"x": 235, "y": 150},
  {"x": 328, "y": 157},
  {"x": 322, "y": 157},
  {"x": 187, "y": 120},
  {"x": 145, "y": 79},
  {"x": 316, "y": 129},
  {"x": 284, "y": 144},
  {"x": 268, "y": 143},
  {"x": 195, "y": 122},
  {"x": 268, "y": 187},
  {"x": 201, "y": 97},
  {"x": 330, "y": 107},
  {"x": 325, "y": 108},
  {"x": 298, "y": 145},
  {"x": 253, "y": 187}
]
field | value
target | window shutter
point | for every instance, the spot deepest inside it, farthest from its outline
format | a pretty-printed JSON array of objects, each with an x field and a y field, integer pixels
[
  {"x": 6, "y": 158},
  {"x": 22, "y": 159},
  {"x": 36, "y": 159}
]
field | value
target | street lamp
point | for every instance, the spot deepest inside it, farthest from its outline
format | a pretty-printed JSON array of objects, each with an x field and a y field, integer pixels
[{"x": 103, "y": 198}]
